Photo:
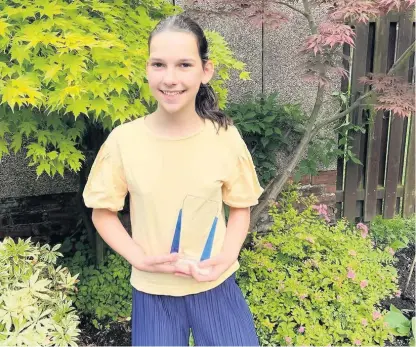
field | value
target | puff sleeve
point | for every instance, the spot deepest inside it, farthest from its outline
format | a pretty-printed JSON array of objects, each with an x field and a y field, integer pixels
[
  {"x": 241, "y": 188},
  {"x": 106, "y": 186}
]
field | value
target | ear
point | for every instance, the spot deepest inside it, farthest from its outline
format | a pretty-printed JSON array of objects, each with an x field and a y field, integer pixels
[{"x": 208, "y": 72}]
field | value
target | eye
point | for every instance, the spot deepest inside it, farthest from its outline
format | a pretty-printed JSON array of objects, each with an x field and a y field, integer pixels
[
  {"x": 157, "y": 64},
  {"x": 186, "y": 65}
]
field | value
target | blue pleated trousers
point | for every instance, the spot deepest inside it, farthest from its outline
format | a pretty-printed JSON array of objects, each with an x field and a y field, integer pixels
[{"x": 217, "y": 317}]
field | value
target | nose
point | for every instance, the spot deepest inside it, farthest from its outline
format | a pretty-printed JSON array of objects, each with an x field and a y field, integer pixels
[{"x": 170, "y": 77}]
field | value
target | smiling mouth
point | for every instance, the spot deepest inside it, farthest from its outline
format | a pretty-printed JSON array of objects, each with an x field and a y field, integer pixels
[{"x": 172, "y": 93}]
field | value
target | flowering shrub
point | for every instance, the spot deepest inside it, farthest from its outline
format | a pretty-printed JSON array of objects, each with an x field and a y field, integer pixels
[{"x": 309, "y": 283}]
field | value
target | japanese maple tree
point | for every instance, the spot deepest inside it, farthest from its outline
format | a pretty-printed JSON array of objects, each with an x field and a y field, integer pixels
[{"x": 322, "y": 50}]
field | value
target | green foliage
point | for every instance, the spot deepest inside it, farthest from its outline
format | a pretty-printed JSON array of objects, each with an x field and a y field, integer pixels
[
  {"x": 35, "y": 309},
  {"x": 400, "y": 325},
  {"x": 267, "y": 127},
  {"x": 324, "y": 151},
  {"x": 396, "y": 232},
  {"x": 104, "y": 291},
  {"x": 309, "y": 283},
  {"x": 64, "y": 65}
]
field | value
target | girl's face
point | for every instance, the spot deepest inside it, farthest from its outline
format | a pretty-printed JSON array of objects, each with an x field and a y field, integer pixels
[{"x": 175, "y": 70}]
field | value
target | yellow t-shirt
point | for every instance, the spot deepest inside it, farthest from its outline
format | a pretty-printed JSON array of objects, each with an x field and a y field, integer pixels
[{"x": 177, "y": 188}]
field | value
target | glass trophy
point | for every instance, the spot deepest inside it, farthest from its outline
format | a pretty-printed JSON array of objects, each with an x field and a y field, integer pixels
[{"x": 195, "y": 232}]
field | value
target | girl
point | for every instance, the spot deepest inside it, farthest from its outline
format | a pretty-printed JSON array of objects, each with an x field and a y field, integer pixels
[{"x": 179, "y": 165}]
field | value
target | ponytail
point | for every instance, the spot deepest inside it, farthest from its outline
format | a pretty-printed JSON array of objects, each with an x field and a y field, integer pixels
[{"x": 206, "y": 106}]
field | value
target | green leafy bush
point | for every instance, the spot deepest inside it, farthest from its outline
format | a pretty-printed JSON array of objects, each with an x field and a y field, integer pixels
[
  {"x": 267, "y": 127},
  {"x": 396, "y": 232},
  {"x": 65, "y": 65},
  {"x": 309, "y": 283},
  {"x": 35, "y": 309},
  {"x": 104, "y": 290}
]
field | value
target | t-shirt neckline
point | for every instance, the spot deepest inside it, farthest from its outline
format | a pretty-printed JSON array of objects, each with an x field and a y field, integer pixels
[{"x": 168, "y": 138}]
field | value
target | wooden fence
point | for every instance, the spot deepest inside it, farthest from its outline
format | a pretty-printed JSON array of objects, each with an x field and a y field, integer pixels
[{"x": 385, "y": 183}]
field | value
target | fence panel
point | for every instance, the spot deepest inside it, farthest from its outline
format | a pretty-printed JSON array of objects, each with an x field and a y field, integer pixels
[{"x": 376, "y": 187}]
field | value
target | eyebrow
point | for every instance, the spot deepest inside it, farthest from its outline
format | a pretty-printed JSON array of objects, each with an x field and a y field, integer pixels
[{"x": 180, "y": 60}]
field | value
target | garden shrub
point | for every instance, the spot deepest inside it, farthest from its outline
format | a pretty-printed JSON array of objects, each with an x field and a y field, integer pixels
[
  {"x": 309, "y": 283},
  {"x": 396, "y": 232},
  {"x": 267, "y": 127},
  {"x": 35, "y": 308},
  {"x": 104, "y": 290}
]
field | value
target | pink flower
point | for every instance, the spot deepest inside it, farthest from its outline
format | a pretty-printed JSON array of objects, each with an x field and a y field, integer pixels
[
  {"x": 301, "y": 329},
  {"x": 268, "y": 245},
  {"x": 376, "y": 315},
  {"x": 390, "y": 250},
  {"x": 322, "y": 210},
  {"x": 364, "y": 229},
  {"x": 357, "y": 342},
  {"x": 352, "y": 252},
  {"x": 288, "y": 339},
  {"x": 303, "y": 296},
  {"x": 351, "y": 273},
  {"x": 364, "y": 322},
  {"x": 363, "y": 284},
  {"x": 398, "y": 293}
]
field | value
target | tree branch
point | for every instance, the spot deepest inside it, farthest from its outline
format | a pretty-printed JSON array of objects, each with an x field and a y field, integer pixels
[
  {"x": 403, "y": 59},
  {"x": 308, "y": 13},
  {"x": 293, "y": 8},
  {"x": 354, "y": 105}
]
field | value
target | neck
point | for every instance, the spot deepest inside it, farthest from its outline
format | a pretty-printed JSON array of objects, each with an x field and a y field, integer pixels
[{"x": 181, "y": 119}]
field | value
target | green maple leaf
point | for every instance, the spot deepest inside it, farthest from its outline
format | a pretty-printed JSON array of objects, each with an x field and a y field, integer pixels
[
  {"x": 35, "y": 150},
  {"x": 43, "y": 166},
  {"x": 3, "y": 27},
  {"x": 51, "y": 72},
  {"x": 4, "y": 128},
  {"x": 11, "y": 95},
  {"x": 145, "y": 93},
  {"x": 118, "y": 85},
  {"x": 50, "y": 9},
  {"x": 27, "y": 127},
  {"x": 59, "y": 167},
  {"x": 16, "y": 142},
  {"x": 98, "y": 105},
  {"x": 39, "y": 63},
  {"x": 123, "y": 71},
  {"x": 73, "y": 133},
  {"x": 96, "y": 88},
  {"x": 20, "y": 53},
  {"x": 53, "y": 121},
  {"x": 43, "y": 136},
  {"x": 52, "y": 155},
  {"x": 77, "y": 107},
  {"x": 75, "y": 63},
  {"x": 3, "y": 148},
  {"x": 119, "y": 103}
]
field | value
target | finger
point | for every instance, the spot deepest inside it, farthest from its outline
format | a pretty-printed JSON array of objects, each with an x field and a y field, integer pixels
[
  {"x": 160, "y": 259},
  {"x": 165, "y": 268},
  {"x": 208, "y": 262},
  {"x": 181, "y": 274}
]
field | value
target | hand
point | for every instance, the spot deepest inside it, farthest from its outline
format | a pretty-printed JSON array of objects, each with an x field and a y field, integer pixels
[
  {"x": 158, "y": 263},
  {"x": 216, "y": 265}
]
